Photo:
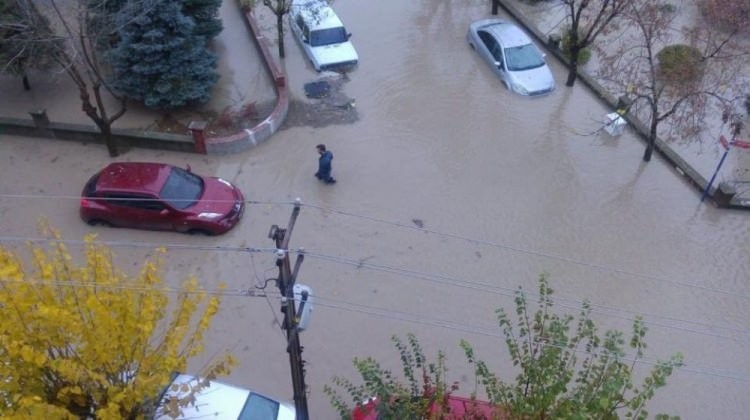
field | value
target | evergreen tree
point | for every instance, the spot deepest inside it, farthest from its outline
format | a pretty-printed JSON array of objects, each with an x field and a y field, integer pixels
[
  {"x": 159, "y": 59},
  {"x": 205, "y": 13}
]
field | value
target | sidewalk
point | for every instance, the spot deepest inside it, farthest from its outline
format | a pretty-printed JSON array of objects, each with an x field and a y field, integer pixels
[
  {"x": 696, "y": 161},
  {"x": 243, "y": 80}
]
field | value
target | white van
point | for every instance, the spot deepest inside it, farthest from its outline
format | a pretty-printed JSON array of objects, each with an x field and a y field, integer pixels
[
  {"x": 322, "y": 35},
  {"x": 223, "y": 401}
]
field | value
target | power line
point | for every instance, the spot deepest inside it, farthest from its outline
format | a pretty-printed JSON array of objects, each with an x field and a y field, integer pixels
[
  {"x": 357, "y": 308},
  {"x": 411, "y": 273},
  {"x": 389, "y": 314},
  {"x": 530, "y": 252},
  {"x": 483, "y": 287},
  {"x": 258, "y": 283},
  {"x": 504, "y": 291},
  {"x": 89, "y": 285},
  {"x": 466, "y": 239},
  {"x": 171, "y": 200},
  {"x": 128, "y": 244}
]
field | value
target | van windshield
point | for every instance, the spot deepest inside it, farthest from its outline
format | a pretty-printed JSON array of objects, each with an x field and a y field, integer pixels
[{"x": 328, "y": 36}]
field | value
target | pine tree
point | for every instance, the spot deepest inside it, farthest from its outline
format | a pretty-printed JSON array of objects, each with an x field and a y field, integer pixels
[
  {"x": 159, "y": 60},
  {"x": 205, "y": 13}
]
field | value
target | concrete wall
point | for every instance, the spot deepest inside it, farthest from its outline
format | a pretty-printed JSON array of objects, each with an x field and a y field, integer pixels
[
  {"x": 156, "y": 140},
  {"x": 89, "y": 134}
]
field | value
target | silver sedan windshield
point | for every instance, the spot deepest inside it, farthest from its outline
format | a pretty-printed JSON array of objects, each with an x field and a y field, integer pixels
[{"x": 525, "y": 57}]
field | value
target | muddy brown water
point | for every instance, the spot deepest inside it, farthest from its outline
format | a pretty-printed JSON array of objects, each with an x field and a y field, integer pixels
[{"x": 439, "y": 140}]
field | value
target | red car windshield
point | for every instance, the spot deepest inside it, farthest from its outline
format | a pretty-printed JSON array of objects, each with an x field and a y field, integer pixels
[{"x": 182, "y": 189}]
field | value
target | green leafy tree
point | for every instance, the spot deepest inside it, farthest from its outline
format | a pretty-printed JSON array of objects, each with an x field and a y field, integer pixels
[
  {"x": 159, "y": 60},
  {"x": 424, "y": 393},
  {"x": 568, "y": 370}
]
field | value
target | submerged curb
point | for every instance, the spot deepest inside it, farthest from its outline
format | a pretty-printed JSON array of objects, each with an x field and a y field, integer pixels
[
  {"x": 251, "y": 137},
  {"x": 682, "y": 167}
]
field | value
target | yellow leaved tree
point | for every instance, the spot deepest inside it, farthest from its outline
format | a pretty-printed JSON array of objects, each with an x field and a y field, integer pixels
[{"x": 89, "y": 341}]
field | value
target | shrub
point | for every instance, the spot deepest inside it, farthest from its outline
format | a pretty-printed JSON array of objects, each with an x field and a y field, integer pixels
[
  {"x": 583, "y": 56},
  {"x": 680, "y": 63}
]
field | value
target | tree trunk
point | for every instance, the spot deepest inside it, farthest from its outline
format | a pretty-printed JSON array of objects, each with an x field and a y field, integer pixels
[
  {"x": 280, "y": 29},
  {"x": 26, "y": 85},
  {"x": 651, "y": 141},
  {"x": 104, "y": 125},
  {"x": 109, "y": 141},
  {"x": 573, "y": 71}
]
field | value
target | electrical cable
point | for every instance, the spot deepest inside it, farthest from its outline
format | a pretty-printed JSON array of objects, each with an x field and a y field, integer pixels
[
  {"x": 530, "y": 252},
  {"x": 483, "y": 287},
  {"x": 399, "y": 271},
  {"x": 127, "y": 244},
  {"x": 395, "y": 316},
  {"x": 258, "y": 281},
  {"x": 511, "y": 293},
  {"x": 171, "y": 200},
  {"x": 470, "y": 240},
  {"x": 89, "y": 285},
  {"x": 358, "y": 308}
]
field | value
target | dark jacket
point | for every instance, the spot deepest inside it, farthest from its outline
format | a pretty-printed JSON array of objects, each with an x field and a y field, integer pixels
[{"x": 324, "y": 165}]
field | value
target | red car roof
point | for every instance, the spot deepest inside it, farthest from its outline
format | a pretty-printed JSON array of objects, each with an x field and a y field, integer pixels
[
  {"x": 133, "y": 176},
  {"x": 458, "y": 407}
]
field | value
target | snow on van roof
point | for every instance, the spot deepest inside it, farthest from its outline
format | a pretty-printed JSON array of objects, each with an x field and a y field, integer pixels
[{"x": 317, "y": 14}]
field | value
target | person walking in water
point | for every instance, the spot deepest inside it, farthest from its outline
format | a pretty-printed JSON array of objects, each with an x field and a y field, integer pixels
[{"x": 324, "y": 164}]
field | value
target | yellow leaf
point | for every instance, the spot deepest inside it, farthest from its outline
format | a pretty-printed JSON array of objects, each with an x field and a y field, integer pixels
[{"x": 106, "y": 336}]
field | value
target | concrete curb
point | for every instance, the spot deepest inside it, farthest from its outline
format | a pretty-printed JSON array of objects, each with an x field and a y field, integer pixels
[
  {"x": 681, "y": 167},
  {"x": 242, "y": 140},
  {"x": 251, "y": 137}
]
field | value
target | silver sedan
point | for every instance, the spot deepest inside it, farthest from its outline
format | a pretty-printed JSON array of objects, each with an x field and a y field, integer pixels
[{"x": 512, "y": 56}]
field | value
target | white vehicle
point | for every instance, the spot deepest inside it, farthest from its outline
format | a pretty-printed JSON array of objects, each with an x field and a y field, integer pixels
[
  {"x": 322, "y": 35},
  {"x": 225, "y": 402}
]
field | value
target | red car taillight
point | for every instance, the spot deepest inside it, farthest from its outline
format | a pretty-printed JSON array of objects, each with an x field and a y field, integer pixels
[{"x": 84, "y": 202}]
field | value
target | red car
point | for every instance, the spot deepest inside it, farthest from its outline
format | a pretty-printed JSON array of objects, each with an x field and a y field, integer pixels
[
  {"x": 160, "y": 197},
  {"x": 458, "y": 408}
]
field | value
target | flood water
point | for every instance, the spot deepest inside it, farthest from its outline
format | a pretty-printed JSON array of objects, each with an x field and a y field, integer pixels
[{"x": 505, "y": 187}]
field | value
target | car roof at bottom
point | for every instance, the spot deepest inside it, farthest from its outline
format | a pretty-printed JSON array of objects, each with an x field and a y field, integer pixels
[
  {"x": 133, "y": 176},
  {"x": 221, "y": 400}
]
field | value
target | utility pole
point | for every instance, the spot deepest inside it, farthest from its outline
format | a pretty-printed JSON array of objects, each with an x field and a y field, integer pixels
[{"x": 285, "y": 282}]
